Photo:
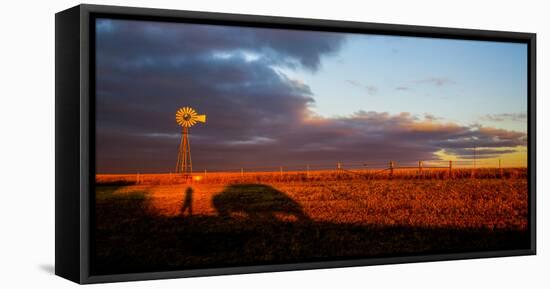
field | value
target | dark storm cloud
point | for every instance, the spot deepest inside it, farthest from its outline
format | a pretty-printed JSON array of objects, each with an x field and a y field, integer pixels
[
  {"x": 256, "y": 115},
  {"x": 137, "y": 43}
]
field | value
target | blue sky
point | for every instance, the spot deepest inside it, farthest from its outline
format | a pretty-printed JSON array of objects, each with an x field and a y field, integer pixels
[{"x": 456, "y": 80}]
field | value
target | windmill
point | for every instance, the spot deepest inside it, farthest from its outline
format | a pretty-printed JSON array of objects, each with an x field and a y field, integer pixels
[{"x": 186, "y": 117}]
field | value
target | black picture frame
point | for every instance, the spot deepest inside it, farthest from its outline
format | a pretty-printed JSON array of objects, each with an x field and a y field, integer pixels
[{"x": 75, "y": 131}]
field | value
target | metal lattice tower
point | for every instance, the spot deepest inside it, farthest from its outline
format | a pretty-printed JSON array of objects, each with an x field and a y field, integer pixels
[{"x": 186, "y": 117}]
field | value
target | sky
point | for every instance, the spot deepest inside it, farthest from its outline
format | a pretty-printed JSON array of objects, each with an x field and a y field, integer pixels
[{"x": 277, "y": 97}]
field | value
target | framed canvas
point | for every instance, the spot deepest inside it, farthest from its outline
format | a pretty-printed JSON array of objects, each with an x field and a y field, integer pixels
[{"x": 194, "y": 144}]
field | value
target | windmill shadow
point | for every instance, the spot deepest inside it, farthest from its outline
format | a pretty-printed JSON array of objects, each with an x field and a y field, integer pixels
[
  {"x": 187, "y": 203},
  {"x": 257, "y": 203}
]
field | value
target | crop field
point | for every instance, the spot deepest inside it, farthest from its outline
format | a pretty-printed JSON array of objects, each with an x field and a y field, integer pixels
[{"x": 164, "y": 222}]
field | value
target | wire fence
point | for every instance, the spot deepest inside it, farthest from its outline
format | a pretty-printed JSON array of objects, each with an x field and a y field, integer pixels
[
  {"x": 427, "y": 169},
  {"x": 422, "y": 164}
]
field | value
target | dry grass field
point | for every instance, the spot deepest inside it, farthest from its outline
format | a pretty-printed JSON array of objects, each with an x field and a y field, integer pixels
[{"x": 164, "y": 222}]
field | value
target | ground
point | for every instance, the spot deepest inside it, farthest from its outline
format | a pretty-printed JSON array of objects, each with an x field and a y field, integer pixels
[{"x": 154, "y": 224}]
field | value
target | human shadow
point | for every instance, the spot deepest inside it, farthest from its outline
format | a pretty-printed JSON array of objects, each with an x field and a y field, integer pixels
[
  {"x": 187, "y": 203},
  {"x": 257, "y": 202}
]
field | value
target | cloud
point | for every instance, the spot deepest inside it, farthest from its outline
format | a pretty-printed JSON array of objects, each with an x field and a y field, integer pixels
[
  {"x": 437, "y": 81},
  {"x": 255, "y": 140},
  {"x": 431, "y": 117},
  {"x": 257, "y": 116},
  {"x": 517, "y": 116},
  {"x": 370, "y": 89},
  {"x": 402, "y": 88},
  {"x": 481, "y": 153},
  {"x": 135, "y": 43}
]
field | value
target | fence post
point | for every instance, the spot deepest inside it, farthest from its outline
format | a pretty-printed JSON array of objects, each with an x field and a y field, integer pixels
[
  {"x": 450, "y": 168},
  {"x": 307, "y": 170},
  {"x": 420, "y": 164},
  {"x": 137, "y": 178},
  {"x": 281, "y": 168},
  {"x": 242, "y": 172},
  {"x": 339, "y": 166},
  {"x": 391, "y": 168},
  {"x": 500, "y": 168},
  {"x": 204, "y": 173}
]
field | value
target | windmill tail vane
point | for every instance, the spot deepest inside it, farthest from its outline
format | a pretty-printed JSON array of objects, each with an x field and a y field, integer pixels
[
  {"x": 201, "y": 118},
  {"x": 186, "y": 117}
]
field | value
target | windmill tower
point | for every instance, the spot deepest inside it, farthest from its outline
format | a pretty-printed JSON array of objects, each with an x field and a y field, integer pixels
[{"x": 186, "y": 117}]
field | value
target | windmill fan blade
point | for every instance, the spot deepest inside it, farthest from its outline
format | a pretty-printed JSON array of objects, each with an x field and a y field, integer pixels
[
  {"x": 201, "y": 117},
  {"x": 187, "y": 117}
]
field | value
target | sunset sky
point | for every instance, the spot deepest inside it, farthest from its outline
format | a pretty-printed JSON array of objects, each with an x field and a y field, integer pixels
[{"x": 285, "y": 97}]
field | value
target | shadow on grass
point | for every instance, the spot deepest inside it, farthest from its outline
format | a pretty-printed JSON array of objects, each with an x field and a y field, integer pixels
[
  {"x": 257, "y": 224},
  {"x": 257, "y": 202},
  {"x": 187, "y": 204}
]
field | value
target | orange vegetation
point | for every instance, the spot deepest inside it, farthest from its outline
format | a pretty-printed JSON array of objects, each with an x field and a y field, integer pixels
[
  {"x": 147, "y": 223},
  {"x": 493, "y": 199}
]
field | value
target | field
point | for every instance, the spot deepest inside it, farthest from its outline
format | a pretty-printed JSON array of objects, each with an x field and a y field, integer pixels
[{"x": 164, "y": 222}]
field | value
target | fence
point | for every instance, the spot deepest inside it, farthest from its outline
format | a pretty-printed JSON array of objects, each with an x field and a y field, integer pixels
[
  {"x": 432, "y": 169},
  {"x": 390, "y": 166}
]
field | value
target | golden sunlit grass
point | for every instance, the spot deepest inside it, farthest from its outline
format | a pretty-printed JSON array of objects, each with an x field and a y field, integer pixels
[
  {"x": 432, "y": 199},
  {"x": 251, "y": 218}
]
